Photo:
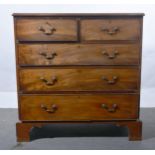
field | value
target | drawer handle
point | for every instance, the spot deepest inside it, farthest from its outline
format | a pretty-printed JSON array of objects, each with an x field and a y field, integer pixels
[
  {"x": 48, "y": 56},
  {"x": 47, "y": 29},
  {"x": 112, "y": 55},
  {"x": 52, "y": 110},
  {"x": 113, "y": 31},
  {"x": 113, "y": 81},
  {"x": 49, "y": 83},
  {"x": 112, "y": 109}
]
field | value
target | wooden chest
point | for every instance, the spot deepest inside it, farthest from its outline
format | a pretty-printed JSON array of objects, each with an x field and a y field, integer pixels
[{"x": 78, "y": 68}]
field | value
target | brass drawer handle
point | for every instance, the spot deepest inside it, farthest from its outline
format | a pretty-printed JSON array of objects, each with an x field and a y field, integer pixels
[
  {"x": 112, "y": 31},
  {"x": 47, "y": 29},
  {"x": 49, "y": 83},
  {"x": 112, "y": 55},
  {"x": 113, "y": 81},
  {"x": 112, "y": 109},
  {"x": 48, "y": 56},
  {"x": 54, "y": 107}
]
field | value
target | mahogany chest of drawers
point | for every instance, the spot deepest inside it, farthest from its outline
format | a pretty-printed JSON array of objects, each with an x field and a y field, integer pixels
[{"x": 78, "y": 68}]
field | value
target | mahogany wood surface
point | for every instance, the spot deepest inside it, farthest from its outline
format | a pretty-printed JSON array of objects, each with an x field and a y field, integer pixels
[
  {"x": 78, "y": 107},
  {"x": 78, "y": 54},
  {"x": 134, "y": 128},
  {"x": 63, "y": 30},
  {"x": 99, "y": 29},
  {"x": 78, "y": 68},
  {"x": 88, "y": 79},
  {"x": 105, "y": 15}
]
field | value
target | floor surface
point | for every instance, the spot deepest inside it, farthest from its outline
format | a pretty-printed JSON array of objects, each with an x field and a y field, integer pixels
[{"x": 76, "y": 137}]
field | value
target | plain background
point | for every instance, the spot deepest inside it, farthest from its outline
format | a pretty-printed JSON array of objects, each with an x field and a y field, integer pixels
[{"x": 8, "y": 95}]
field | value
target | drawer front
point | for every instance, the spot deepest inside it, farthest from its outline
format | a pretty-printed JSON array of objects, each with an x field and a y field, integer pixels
[
  {"x": 88, "y": 79},
  {"x": 46, "y": 30},
  {"x": 110, "y": 29},
  {"x": 78, "y": 54},
  {"x": 78, "y": 107}
]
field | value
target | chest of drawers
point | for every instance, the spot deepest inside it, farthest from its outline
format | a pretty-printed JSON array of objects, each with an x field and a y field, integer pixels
[{"x": 78, "y": 68}]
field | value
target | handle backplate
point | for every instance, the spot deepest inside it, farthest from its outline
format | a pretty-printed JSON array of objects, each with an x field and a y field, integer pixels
[
  {"x": 112, "y": 81},
  {"x": 110, "y": 55},
  {"x": 109, "y": 109},
  {"x": 53, "y": 108},
  {"x": 50, "y": 82},
  {"x": 47, "y": 29},
  {"x": 48, "y": 56},
  {"x": 111, "y": 31}
]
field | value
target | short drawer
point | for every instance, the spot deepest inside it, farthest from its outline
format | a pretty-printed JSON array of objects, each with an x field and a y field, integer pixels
[
  {"x": 110, "y": 29},
  {"x": 46, "y": 30},
  {"x": 78, "y": 107},
  {"x": 78, "y": 54},
  {"x": 87, "y": 79}
]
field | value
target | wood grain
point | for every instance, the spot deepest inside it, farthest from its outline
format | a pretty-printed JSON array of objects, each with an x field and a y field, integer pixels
[
  {"x": 87, "y": 79},
  {"x": 92, "y": 29},
  {"x": 78, "y": 54},
  {"x": 79, "y": 77},
  {"x": 28, "y": 30},
  {"x": 134, "y": 128},
  {"x": 78, "y": 107}
]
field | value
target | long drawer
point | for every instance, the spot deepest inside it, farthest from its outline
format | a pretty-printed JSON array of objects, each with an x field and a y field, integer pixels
[
  {"x": 78, "y": 54},
  {"x": 46, "y": 29},
  {"x": 79, "y": 79},
  {"x": 78, "y": 107},
  {"x": 110, "y": 29}
]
